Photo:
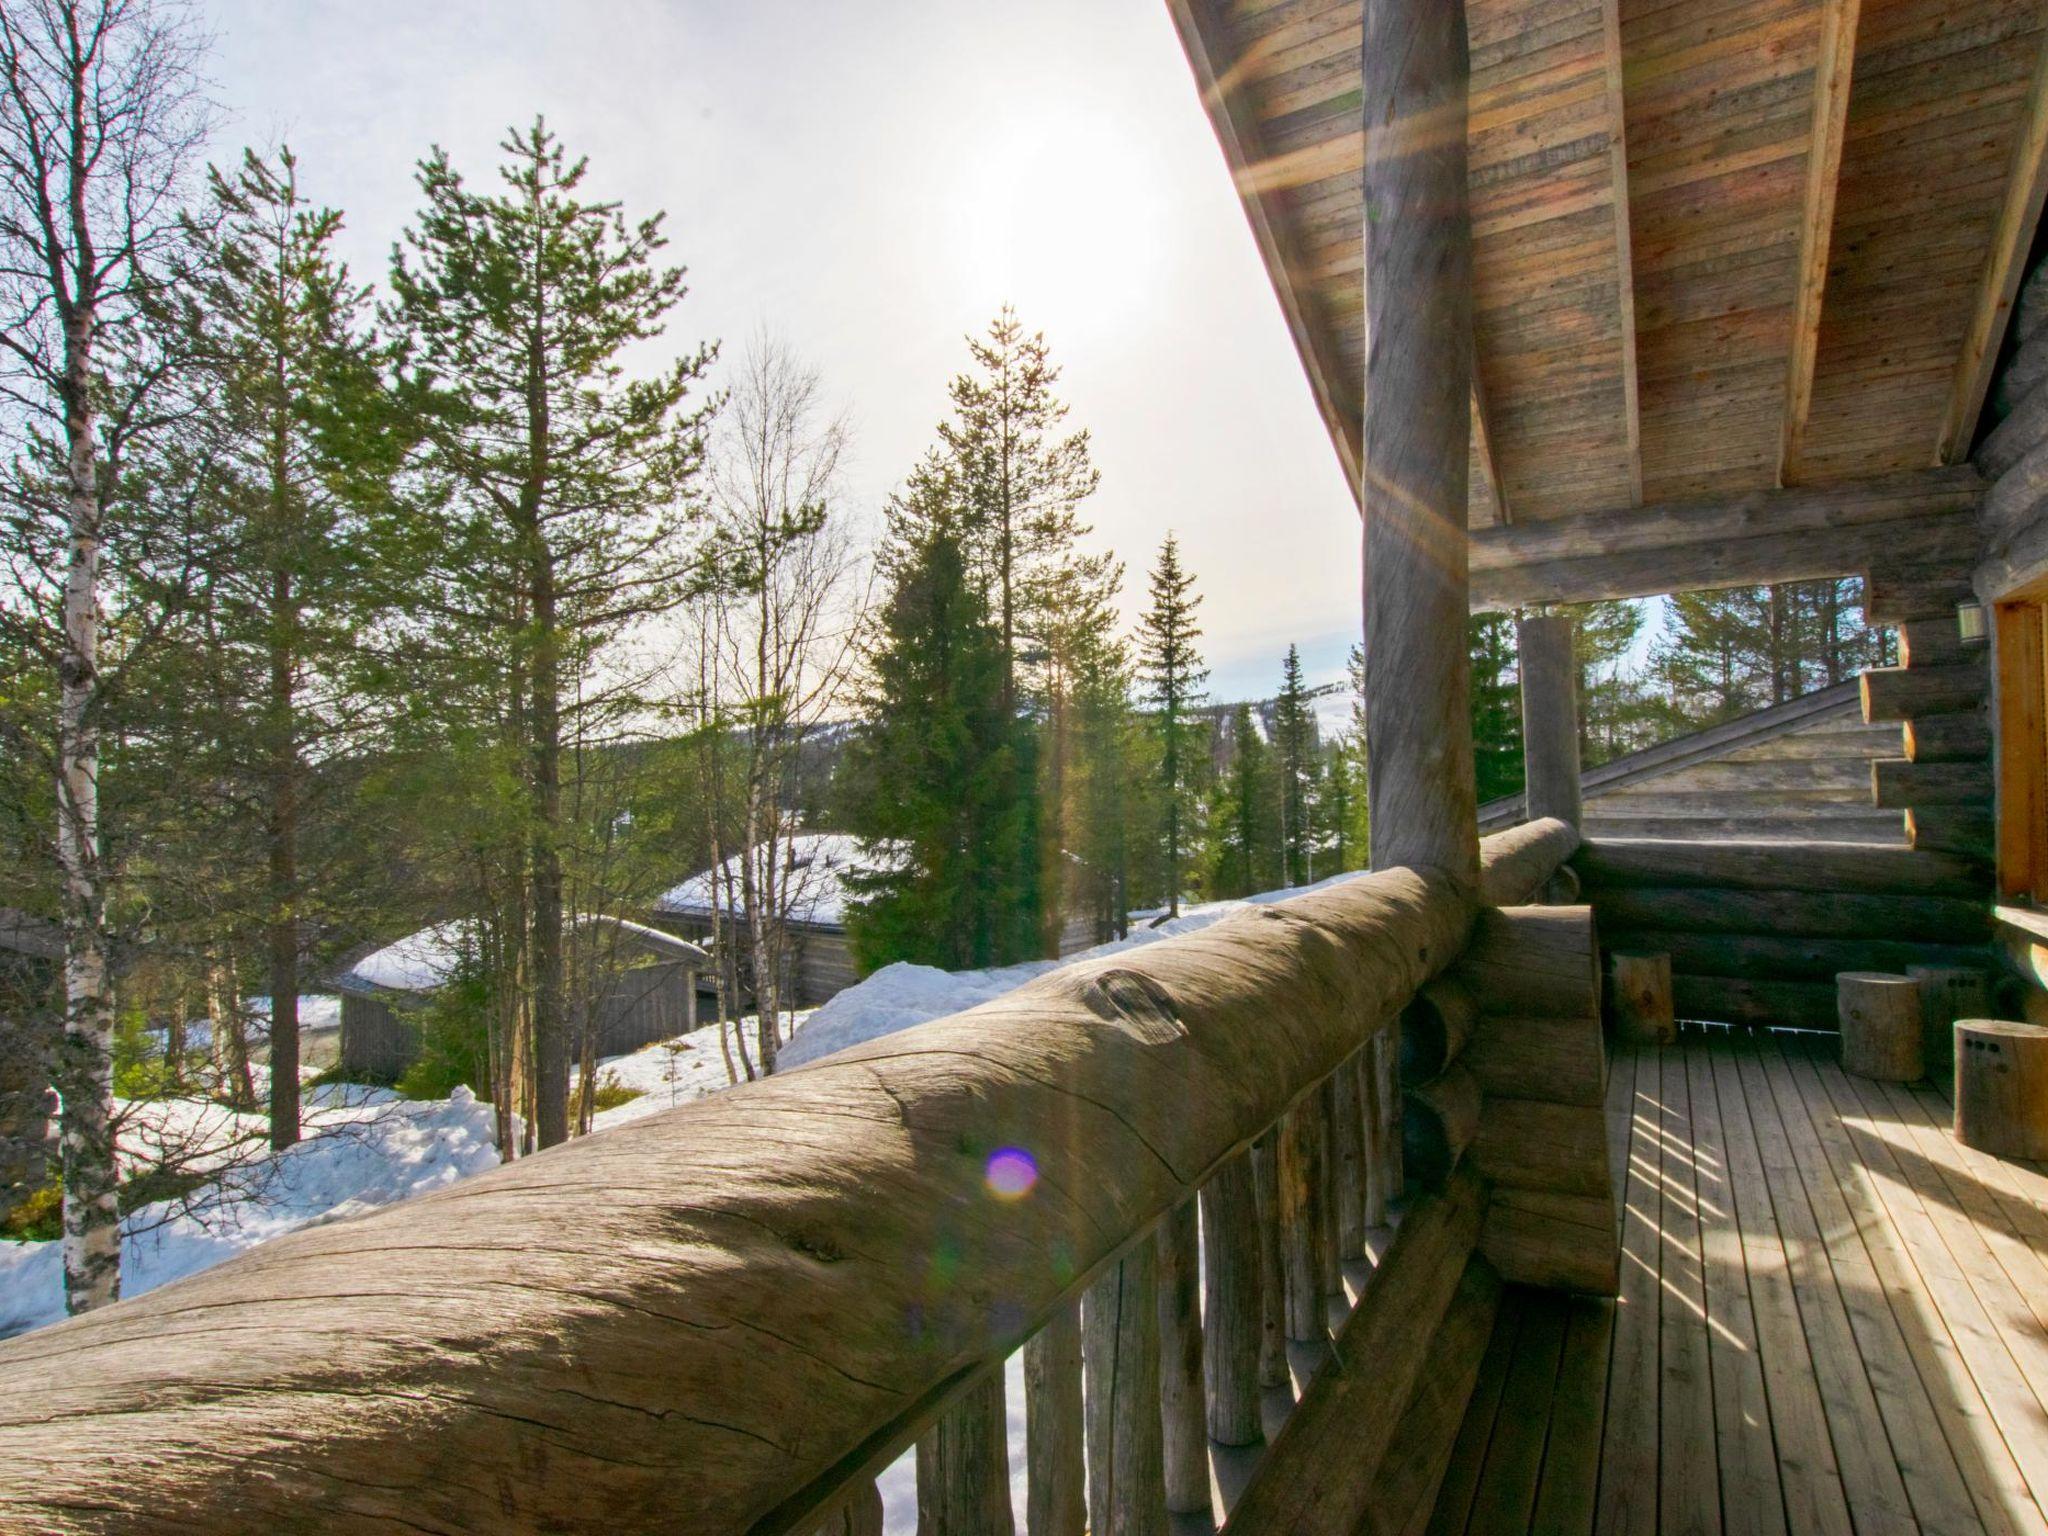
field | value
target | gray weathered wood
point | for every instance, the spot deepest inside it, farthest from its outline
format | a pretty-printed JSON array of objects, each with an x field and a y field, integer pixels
[
  {"x": 1405, "y": 1483},
  {"x": 1948, "y": 993},
  {"x": 1515, "y": 864},
  {"x": 1897, "y": 783},
  {"x": 1528, "y": 1144},
  {"x": 2002, "y": 1087},
  {"x": 1417, "y": 437},
  {"x": 1329, "y": 1265},
  {"x": 1438, "y": 1122},
  {"x": 2013, "y": 438},
  {"x": 1055, "y": 1455},
  {"x": 1880, "y": 1023},
  {"x": 1347, "y": 1159},
  {"x": 1232, "y": 1307},
  {"x": 859, "y": 1513},
  {"x": 1559, "y": 1241},
  {"x": 1318, "y": 1476},
  {"x": 1796, "y": 534},
  {"x": 1641, "y": 997},
  {"x": 1747, "y": 1000},
  {"x": 1793, "y": 914},
  {"x": 1953, "y": 829},
  {"x": 1558, "y": 1060},
  {"x": 1900, "y": 594},
  {"x": 1372, "y": 1131},
  {"x": 1299, "y": 1169},
  {"x": 1550, "y": 714},
  {"x": 1533, "y": 960},
  {"x": 1789, "y": 866},
  {"x": 753, "y": 1238},
  {"x": 1785, "y": 958},
  {"x": 963, "y": 1467},
  {"x": 1126, "y": 1451},
  {"x": 1961, "y": 737},
  {"x": 1435, "y": 1027},
  {"x": 1272, "y": 1263},
  {"x": 1932, "y": 643},
  {"x": 1386, "y": 1159},
  {"x": 1183, "y": 1415},
  {"x": 1905, "y": 693}
]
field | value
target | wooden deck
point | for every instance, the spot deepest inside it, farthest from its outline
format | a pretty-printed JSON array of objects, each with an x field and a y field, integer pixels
[{"x": 1833, "y": 1319}]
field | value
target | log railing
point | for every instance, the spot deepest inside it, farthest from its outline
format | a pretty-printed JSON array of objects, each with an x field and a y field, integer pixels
[{"x": 730, "y": 1317}]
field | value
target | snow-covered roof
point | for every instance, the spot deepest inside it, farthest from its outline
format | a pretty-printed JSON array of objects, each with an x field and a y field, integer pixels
[
  {"x": 422, "y": 961},
  {"x": 812, "y": 882}
]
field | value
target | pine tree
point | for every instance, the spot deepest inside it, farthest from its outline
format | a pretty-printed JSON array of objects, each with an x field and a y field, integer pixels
[
  {"x": 275, "y": 328},
  {"x": 936, "y": 779},
  {"x": 1335, "y": 807},
  {"x": 568, "y": 483},
  {"x": 1246, "y": 839},
  {"x": 1173, "y": 674},
  {"x": 1357, "y": 831},
  {"x": 1496, "y": 706},
  {"x": 1294, "y": 744}
]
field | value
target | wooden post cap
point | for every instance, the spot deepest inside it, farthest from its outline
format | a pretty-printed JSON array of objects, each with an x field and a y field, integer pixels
[
  {"x": 1879, "y": 1015},
  {"x": 2002, "y": 1087}
]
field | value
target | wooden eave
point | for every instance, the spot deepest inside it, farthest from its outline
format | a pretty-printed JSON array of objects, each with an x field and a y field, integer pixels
[{"x": 1718, "y": 250}]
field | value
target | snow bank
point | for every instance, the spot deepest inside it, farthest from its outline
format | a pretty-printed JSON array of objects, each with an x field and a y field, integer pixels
[
  {"x": 368, "y": 1149},
  {"x": 900, "y": 995}
]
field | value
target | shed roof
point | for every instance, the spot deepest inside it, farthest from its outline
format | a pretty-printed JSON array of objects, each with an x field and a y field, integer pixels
[{"x": 423, "y": 961}]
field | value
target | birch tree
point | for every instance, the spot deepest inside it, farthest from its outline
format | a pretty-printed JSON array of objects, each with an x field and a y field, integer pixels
[
  {"x": 788, "y": 608},
  {"x": 100, "y": 114}
]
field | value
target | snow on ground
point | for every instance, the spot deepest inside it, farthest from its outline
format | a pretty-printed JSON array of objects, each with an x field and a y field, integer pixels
[
  {"x": 365, "y": 1148},
  {"x": 900, "y": 995},
  {"x": 670, "y": 1072}
]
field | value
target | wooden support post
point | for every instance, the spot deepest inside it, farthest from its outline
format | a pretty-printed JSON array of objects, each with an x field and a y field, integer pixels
[
  {"x": 859, "y": 1514},
  {"x": 1183, "y": 1423},
  {"x": 1880, "y": 1019},
  {"x": 1643, "y": 1011},
  {"x": 1232, "y": 1310},
  {"x": 2002, "y": 1087},
  {"x": 1417, "y": 436},
  {"x": 1054, "y": 1454},
  {"x": 1120, "y": 1337},
  {"x": 1372, "y": 1135},
  {"x": 1550, "y": 716},
  {"x": 1347, "y": 1159},
  {"x": 1272, "y": 1265},
  {"x": 1299, "y": 1161},
  {"x": 1947, "y": 993},
  {"x": 963, "y": 1467}
]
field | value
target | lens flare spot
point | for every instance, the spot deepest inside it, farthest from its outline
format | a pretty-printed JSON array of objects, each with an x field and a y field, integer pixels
[{"x": 1012, "y": 1173}]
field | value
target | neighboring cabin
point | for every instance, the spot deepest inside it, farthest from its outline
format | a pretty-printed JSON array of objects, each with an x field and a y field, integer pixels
[{"x": 649, "y": 994}]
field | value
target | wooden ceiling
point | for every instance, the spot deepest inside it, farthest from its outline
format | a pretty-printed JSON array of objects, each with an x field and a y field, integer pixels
[{"x": 1719, "y": 246}]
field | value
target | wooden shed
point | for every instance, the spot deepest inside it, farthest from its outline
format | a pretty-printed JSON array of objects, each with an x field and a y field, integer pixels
[{"x": 648, "y": 993}]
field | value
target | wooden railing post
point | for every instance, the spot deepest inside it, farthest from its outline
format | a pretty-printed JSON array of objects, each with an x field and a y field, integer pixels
[
  {"x": 1233, "y": 1310},
  {"x": 1272, "y": 1264},
  {"x": 1183, "y": 1422},
  {"x": 1120, "y": 1338},
  {"x": 1347, "y": 1158},
  {"x": 1054, "y": 1455},
  {"x": 963, "y": 1467},
  {"x": 1299, "y": 1164}
]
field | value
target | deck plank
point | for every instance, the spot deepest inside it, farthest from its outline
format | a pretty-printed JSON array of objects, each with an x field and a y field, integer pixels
[
  {"x": 1689, "y": 1490},
  {"x": 1930, "y": 1404},
  {"x": 1751, "y": 1502},
  {"x": 1833, "y": 1317},
  {"x": 1627, "y": 1503},
  {"x": 1994, "y": 1417}
]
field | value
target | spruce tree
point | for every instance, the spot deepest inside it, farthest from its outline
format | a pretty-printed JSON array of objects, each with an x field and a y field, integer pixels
[
  {"x": 1173, "y": 674},
  {"x": 936, "y": 780},
  {"x": 1496, "y": 706},
  {"x": 1246, "y": 841},
  {"x": 567, "y": 482},
  {"x": 1294, "y": 742},
  {"x": 275, "y": 331}
]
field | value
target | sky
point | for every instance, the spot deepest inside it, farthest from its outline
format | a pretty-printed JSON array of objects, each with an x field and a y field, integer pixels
[{"x": 869, "y": 180}]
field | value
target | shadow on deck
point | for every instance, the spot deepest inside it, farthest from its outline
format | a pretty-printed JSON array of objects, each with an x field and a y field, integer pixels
[{"x": 1833, "y": 1318}]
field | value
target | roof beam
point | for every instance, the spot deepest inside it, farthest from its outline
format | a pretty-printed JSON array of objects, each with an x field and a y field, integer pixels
[
  {"x": 1203, "y": 39},
  {"x": 1482, "y": 434},
  {"x": 2026, "y": 185},
  {"x": 1921, "y": 517},
  {"x": 1624, "y": 246},
  {"x": 1832, "y": 73}
]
